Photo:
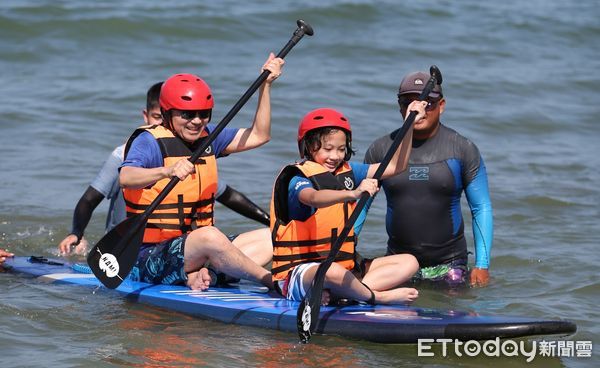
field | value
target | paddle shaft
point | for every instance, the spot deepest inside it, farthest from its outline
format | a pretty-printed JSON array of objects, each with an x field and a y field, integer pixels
[
  {"x": 298, "y": 34},
  {"x": 115, "y": 254},
  {"x": 314, "y": 294},
  {"x": 302, "y": 29}
]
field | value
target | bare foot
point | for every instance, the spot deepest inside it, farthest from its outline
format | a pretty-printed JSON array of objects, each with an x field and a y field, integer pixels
[
  {"x": 199, "y": 280},
  {"x": 396, "y": 296}
]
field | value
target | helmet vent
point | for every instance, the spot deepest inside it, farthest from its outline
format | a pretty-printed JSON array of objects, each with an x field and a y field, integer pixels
[
  {"x": 318, "y": 117},
  {"x": 343, "y": 118},
  {"x": 208, "y": 97},
  {"x": 186, "y": 98}
]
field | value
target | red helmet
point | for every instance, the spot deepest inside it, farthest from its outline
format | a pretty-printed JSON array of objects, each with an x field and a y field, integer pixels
[
  {"x": 185, "y": 92},
  {"x": 320, "y": 118}
]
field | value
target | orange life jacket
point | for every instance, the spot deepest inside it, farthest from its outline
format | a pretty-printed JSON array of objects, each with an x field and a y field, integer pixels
[
  {"x": 296, "y": 242},
  {"x": 190, "y": 203}
]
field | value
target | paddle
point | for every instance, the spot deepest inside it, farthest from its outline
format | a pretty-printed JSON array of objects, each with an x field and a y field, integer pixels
[
  {"x": 308, "y": 311},
  {"x": 115, "y": 254}
]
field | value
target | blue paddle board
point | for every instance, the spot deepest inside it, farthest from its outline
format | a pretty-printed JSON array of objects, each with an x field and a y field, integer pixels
[{"x": 252, "y": 305}]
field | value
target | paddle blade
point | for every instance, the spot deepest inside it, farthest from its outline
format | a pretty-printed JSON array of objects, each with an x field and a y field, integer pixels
[
  {"x": 115, "y": 254},
  {"x": 308, "y": 313}
]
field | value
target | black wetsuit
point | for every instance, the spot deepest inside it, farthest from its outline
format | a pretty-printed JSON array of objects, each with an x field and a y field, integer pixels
[{"x": 423, "y": 203}]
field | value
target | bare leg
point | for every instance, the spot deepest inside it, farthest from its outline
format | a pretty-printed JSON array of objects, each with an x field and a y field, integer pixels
[
  {"x": 256, "y": 245},
  {"x": 340, "y": 281},
  {"x": 209, "y": 244},
  {"x": 385, "y": 274},
  {"x": 388, "y": 272},
  {"x": 309, "y": 275},
  {"x": 344, "y": 284}
]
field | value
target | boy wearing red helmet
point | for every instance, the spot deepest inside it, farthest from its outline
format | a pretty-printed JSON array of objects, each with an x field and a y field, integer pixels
[
  {"x": 179, "y": 238},
  {"x": 313, "y": 200}
]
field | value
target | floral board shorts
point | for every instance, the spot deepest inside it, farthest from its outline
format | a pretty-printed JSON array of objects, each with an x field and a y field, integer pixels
[
  {"x": 161, "y": 263},
  {"x": 452, "y": 274}
]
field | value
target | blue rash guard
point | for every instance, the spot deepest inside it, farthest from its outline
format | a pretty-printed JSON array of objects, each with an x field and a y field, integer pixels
[{"x": 424, "y": 215}]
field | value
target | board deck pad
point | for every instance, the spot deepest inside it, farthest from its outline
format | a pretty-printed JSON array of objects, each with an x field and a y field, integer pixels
[{"x": 253, "y": 305}]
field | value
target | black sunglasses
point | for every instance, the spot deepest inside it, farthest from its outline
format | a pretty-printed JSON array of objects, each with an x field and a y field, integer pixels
[
  {"x": 431, "y": 103},
  {"x": 191, "y": 114}
]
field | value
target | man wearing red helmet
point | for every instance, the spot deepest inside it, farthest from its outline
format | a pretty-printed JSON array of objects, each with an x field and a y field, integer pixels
[
  {"x": 106, "y": 185},
  {"x": 312, "y": 202},
  {"x": 179, "y": 238}
]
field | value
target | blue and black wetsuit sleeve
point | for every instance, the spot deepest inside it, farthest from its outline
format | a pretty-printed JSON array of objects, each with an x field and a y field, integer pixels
[{"x": 478, "y": 197}]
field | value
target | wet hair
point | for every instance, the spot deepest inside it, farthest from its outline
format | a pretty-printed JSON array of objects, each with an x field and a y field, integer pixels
[
  {"x": 313, "y": 139},
  {"x": 152, "y": 96}
]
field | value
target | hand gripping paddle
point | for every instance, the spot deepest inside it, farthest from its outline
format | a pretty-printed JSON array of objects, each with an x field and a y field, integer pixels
[{"x": 115, "y": 254}]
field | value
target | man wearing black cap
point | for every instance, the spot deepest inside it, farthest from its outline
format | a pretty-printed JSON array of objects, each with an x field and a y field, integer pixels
[{"x": 423, "y": 202}]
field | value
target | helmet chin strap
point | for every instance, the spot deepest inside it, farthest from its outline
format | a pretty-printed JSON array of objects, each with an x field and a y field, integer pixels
[
  {"x": 302, "y": 148},
  {"x": 167, "y": 119}
]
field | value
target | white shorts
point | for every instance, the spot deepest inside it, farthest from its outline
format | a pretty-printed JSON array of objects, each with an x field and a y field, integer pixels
[{"x": 292, "y": 286}]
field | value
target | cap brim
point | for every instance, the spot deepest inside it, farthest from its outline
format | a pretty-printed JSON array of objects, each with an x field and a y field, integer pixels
[{"x": 418, "y": 92}]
